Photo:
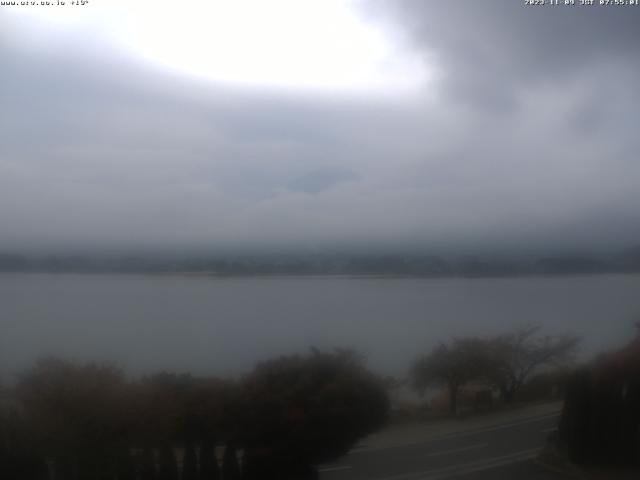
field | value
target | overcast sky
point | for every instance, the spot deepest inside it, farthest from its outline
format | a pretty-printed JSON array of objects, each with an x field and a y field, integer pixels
[{"x": 315, "y": 125}]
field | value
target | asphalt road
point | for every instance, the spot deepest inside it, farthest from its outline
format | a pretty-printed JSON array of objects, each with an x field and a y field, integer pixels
[{"x": 504, "y": 451}]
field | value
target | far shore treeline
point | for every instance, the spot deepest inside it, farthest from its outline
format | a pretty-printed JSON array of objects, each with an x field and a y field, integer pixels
[{"x": 407, "y": 264}]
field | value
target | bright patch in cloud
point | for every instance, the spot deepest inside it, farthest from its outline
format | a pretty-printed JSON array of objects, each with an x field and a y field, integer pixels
[
  {"x": 299, "y": 44},
  {"x": 276, "y": 43}
]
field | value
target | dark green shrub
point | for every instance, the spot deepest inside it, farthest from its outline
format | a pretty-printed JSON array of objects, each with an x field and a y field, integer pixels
[
  {"x": 600, "y": 422},
  {"x": 305, "y": 410}
]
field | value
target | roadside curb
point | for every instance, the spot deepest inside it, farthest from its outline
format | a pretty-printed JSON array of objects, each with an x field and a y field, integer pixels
[
  {"x": 567, "y": 470},
  {"x": 570, "y": 470}
]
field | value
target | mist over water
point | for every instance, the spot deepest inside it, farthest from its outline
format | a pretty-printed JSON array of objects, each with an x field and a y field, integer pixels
[{"x": 222, "y": 326}]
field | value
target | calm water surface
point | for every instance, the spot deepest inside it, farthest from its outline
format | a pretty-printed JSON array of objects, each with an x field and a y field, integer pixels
[{"x": 224, "y": 325}]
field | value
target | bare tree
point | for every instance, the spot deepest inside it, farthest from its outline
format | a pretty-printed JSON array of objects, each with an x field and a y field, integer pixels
[
  {"x": 517, "y": 355},
  {"x": 451, "y": 365}
]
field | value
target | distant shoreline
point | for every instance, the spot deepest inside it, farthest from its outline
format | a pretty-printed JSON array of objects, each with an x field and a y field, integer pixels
[
  {"x": 381, "y": 276},
  {"x": 349, "y": 265}
]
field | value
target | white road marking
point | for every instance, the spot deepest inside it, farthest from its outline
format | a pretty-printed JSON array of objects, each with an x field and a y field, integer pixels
[
  {"x": 502, "y": 426},
  {"x": 457, "y": 450},
  {"x": 334, "y": 469},
  {"x": 466, "y": 433},
  {"x": 467, "y": 468}
]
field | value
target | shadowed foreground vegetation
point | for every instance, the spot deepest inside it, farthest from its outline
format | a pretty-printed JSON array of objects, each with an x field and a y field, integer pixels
[
  {"x": 600, "y": 423},
  {"x": 66, "y": 421},
  {"x": 70, "y": 421}
]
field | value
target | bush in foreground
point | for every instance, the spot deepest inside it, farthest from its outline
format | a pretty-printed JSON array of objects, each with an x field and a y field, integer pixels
[
  {"x": 600, "y": 423},
  {"x": 304, "y": 410}
]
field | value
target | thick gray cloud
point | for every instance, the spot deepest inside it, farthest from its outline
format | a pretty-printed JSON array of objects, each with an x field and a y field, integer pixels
[
  {"x": 493, "y": 50},
  {"x": 526, "y": 139}
]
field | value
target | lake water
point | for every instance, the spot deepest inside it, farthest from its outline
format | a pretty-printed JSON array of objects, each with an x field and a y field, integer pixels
[{"x": 224, "y": 325}]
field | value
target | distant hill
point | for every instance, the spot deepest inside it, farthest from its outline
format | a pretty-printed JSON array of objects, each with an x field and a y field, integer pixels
[{"x": 338, "y": 264}]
